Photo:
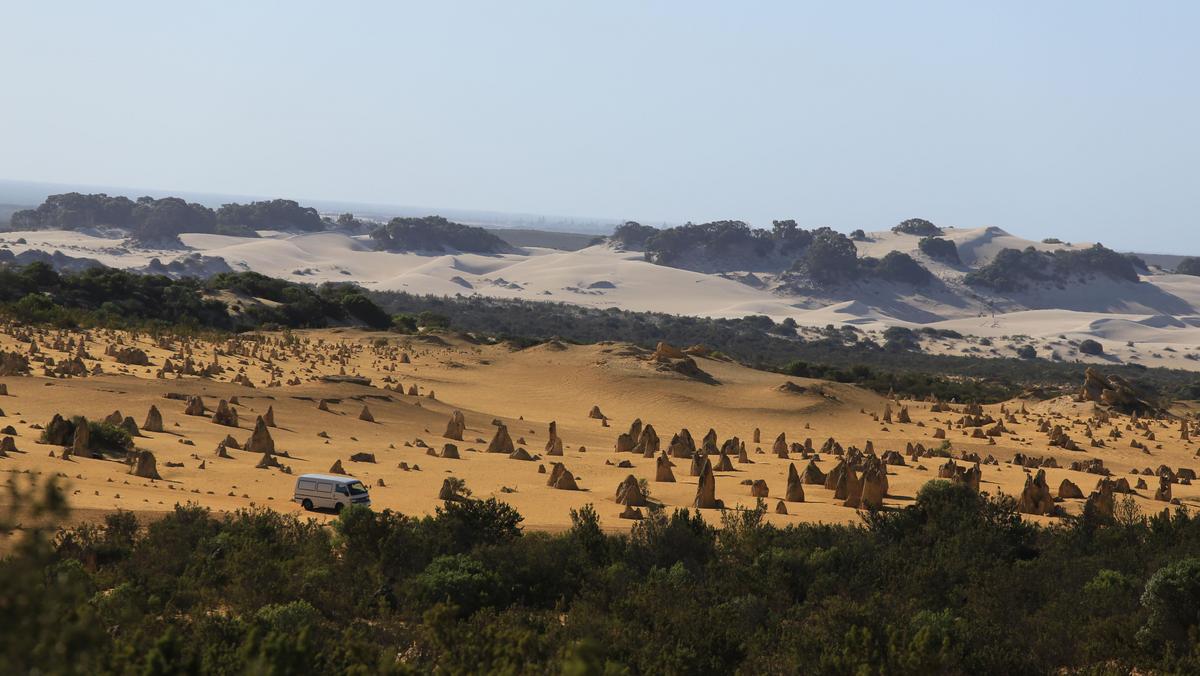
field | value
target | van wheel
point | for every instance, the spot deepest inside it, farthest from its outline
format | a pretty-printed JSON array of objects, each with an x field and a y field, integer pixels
[
  {"x": 338, "y": 508},
  {"x": 307, "y": 505}
]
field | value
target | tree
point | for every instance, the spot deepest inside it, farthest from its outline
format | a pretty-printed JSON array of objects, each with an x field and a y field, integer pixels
[
  {"x": 940, "y": 249},
  {"x": 435, "y": 234},
  {"x": 830, "y": 259},
  {"x": 1188, "y": 266},
  {"x": 1172, "y": 602},
  {"x": 917, "y": 226},
  {"x": 633, "y": 235}
]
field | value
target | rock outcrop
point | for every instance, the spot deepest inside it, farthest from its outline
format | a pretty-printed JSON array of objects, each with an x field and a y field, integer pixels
[
  {"x": 874, "y": 486},
  {"x": 1067, "y": 490},
  {"x": 662, "y": 469},
  {"x": 706, "y": 489},
  {"x": 456, "y": 426},
  {"x": 154, "y": 421},
  {"x": 195, "y": 406},
  {"x": 795, "y": 488},
  {"x": 561, "y": 478},
  {"x": 1035, "y": 497},
  {"x": 1113, "y": 391},
  {"x": 629, "y": 492},
  {"x": 501, "y": 441},
  {"x": 554, "y": 444},
  {"x": 1163, "y": 494},
  {"x": 260, "y": 440},
  {"x": 144, "y": 465},
  {"x": 225, "y": 414}
]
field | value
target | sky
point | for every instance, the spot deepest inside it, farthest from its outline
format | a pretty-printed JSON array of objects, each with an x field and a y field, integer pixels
[{"x": 1077, "y": 120}]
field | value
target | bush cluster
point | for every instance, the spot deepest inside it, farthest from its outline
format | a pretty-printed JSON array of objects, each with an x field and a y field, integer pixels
[
  {"x": 162, "y": 220},
  {"x": 434, "y": 233},
  {"x": 1015, "y": 270},
  {"x": 101, "y": 296},
  {"x": 955, "y": 583}
]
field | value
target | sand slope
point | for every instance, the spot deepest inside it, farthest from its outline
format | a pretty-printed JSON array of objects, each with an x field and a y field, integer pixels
[{"x": 524, "y": 389}]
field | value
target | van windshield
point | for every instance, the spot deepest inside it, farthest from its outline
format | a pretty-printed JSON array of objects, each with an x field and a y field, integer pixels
[{"x": 357, "y": 488}]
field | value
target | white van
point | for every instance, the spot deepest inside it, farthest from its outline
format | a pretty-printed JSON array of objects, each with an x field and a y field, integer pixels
[{"x": 330, "y": 491}]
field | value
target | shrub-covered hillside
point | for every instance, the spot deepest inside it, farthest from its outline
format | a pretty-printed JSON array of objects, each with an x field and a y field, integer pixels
[
  {"x": 818, "y": 258},
  {"x": 161, "y": 220},
  {"x": 1015, "y": 270},
  {"x": 36, "y": 293},
  {"x": 434, "y": 233}
]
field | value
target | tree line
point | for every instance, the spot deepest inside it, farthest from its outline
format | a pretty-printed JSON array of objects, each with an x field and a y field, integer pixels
[{"x": 953, "y": 583}]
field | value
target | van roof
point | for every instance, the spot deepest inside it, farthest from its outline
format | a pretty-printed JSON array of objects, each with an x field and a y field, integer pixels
[{"x": 329, "y": 477}]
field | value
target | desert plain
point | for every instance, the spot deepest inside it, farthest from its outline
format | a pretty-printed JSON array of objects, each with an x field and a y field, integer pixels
[{"x": 379, "y": 406}]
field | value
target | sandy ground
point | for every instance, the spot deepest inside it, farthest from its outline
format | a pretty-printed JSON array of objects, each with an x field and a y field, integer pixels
[{"x": 525, "y": 389}]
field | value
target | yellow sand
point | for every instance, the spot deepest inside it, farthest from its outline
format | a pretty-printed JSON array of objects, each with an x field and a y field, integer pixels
[{"x": 526, "y": 389}]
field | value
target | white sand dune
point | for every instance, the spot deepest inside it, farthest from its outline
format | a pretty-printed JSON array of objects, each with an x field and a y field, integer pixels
[{"x": 1133, "y": 321}]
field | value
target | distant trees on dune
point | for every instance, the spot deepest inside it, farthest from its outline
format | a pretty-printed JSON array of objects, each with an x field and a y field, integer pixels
[
  {"x": 434, "y": 233},
  {"x": 162, "y": 220},
  {"x": 1016, "y": 269}
]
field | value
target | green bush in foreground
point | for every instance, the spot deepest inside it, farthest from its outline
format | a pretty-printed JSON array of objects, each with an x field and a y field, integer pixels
[{"x": 955, "y": 583}]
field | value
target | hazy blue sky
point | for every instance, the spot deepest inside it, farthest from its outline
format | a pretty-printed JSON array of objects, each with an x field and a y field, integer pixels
[{"x": 1072, "y": 119}]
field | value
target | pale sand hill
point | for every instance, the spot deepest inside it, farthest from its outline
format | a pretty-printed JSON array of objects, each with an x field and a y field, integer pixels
[
  {"x": 526, "y": 389},
  {"x": 1159, "y": 316}
]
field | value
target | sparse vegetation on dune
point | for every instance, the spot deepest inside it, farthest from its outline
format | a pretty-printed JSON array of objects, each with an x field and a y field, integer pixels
[
  {"x": 159, "y": 221},
  {"x": 434, "y": 233},
  {"x": 1188, "y": 266},
  {"x": 939, "y": 249},
  {"x": 101, "y": 296},
  {"x": 1016, "y": 270},
  {"x": 841, "y": 354},
  {"x": 114, "y": 298},
  {"x": 818, "y": 258},
  {"x": 955, "y": 583}
]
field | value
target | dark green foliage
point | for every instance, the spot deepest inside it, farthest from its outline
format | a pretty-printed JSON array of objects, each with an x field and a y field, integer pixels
[
  {"x": 940, "y": 249},
  {"x": 162, "y": 220},
  {"x": 434, "y": 233},
  {"x": 726, "y": 245},
  {"x": 148, "y": 219},
  {"x": 36, "y": 293},
  {"x": 1027, "y": 352},
  {"x": 633, "y": 235},
  {"x": 953, "y": 583},
  {"x": 897, "y": 267},
  {"x": 1089, "y": 346},
  {"x": 72, "y": 211},
  {"x": 1172, "y": 604},
  {"x": 1014, "y": 270},
  {"x": 1188, "y": 266},
  {"x": 275, "y": 214},
  {"x": 899, "y": 339},
  {"x": 107, "y": 437},
  {"x": 158, "y": 221},
  {"x": 831, "y": 258},
  {"x": 917, "y": 226}
]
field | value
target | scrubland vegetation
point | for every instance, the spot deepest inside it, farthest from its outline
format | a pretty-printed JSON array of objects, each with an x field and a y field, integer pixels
[{"x": 956, "y": 583}]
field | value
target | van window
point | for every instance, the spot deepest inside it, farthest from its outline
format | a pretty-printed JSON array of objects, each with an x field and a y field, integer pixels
[
  {"x": 357, "y": 488},
  {"x": 342, "y": 489},
  {"x": 308, "y": 485},
  {"x": 325, "y": 488}
]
